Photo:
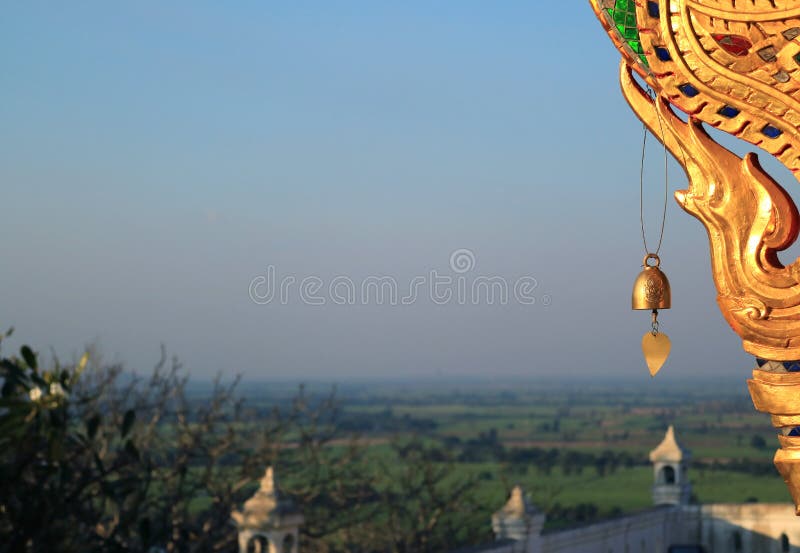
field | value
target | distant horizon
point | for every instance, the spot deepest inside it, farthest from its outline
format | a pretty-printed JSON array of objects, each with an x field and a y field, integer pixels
[{"x": 705, "y": 385}]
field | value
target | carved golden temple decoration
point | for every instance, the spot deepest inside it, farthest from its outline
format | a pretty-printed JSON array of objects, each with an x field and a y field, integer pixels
[{"x": 735, "y": 66}]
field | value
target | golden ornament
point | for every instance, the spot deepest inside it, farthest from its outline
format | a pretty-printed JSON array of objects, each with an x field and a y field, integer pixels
[{"x": 655, "y": 347}]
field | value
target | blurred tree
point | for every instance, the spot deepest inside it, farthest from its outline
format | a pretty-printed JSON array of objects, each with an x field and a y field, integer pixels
[
  {"x": 94, "y": 459},
  {"x": 425, "y": 505}
]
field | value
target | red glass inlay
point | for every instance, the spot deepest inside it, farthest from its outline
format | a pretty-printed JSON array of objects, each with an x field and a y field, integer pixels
[{"x": 734, "y": 44}]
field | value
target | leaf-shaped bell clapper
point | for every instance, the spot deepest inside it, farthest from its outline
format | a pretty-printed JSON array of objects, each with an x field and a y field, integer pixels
[{"x": 651, "y": 289}]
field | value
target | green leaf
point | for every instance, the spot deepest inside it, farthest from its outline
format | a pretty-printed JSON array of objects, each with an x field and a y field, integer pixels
[
  {"x": 92, "y": 425},
  {"x": 131, "y": 450},
  {"x": 28, "y": 356},
  {"x": 9, "y": 388},
  {"x": 127, "y": 422},
  {"x": 39, "y": 381}
]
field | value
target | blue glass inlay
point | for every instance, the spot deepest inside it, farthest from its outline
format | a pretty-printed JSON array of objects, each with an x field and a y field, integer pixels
[
  {"x": 771, "y": 131},
  {"x": 760, "y": 362},
  {"x": 730, "y": 112},
  {"x": 688, "y": 90},
  {"x": 663, "y": 54},
  {"x": 652, "y": 9},
  {"x": 792, "y": 366},
  {"x": 795, "y": 431}
]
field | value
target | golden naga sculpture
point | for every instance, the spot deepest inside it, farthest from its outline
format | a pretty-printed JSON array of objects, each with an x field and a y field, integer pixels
[{"x": 734, "y": 66}]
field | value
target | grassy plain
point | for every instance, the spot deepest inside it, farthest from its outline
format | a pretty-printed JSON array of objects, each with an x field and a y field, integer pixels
[{"x": 729, "y": 461}]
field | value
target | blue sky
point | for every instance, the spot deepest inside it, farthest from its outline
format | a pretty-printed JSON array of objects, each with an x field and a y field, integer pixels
[{"x": 156, "y": 157}]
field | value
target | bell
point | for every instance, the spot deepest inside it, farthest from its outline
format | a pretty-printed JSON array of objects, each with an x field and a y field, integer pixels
[{"x": 651, "y": 289}]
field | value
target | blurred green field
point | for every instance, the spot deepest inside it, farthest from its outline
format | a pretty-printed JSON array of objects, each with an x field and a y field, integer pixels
[
  {"x": 718, "y": 428},
  {"x": 712, "y": 429},
  {"x": 731, "y": 444},
  {"x": 626, "y": 489}
]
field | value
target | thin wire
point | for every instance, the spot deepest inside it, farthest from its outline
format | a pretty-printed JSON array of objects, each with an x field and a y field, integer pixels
[
  {"x": 666, "y": 176},
  {"x": 652, "y": 95}
]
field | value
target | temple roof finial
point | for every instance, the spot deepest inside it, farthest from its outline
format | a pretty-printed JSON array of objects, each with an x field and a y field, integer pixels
[
  {"x": 266, "y": 509},
  {"x": 669, "y": 449},
  {"x": 517, "y": 505}
]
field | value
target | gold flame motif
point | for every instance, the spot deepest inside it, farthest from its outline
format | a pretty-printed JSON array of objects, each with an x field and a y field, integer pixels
[{"x": 734, "y": 66}]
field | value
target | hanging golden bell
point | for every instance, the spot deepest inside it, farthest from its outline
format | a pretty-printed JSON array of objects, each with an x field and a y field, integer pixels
[{"x": 651, "y": 289}]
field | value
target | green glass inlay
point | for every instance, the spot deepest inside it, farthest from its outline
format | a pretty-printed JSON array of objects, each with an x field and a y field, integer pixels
[
  {"x": 797, "y": 58},
  {"x": 623, "y": 14}
]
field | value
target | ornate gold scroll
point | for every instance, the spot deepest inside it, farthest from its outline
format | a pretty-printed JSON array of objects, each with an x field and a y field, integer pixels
[{"x": 734, "y": 66}]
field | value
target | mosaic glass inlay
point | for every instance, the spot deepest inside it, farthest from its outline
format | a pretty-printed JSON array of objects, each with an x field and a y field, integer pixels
[{"x": 623, "y": 14}]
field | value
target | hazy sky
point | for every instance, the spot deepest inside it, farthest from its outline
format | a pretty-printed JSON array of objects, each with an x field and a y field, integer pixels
[{"x": 157, "y": 157}]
